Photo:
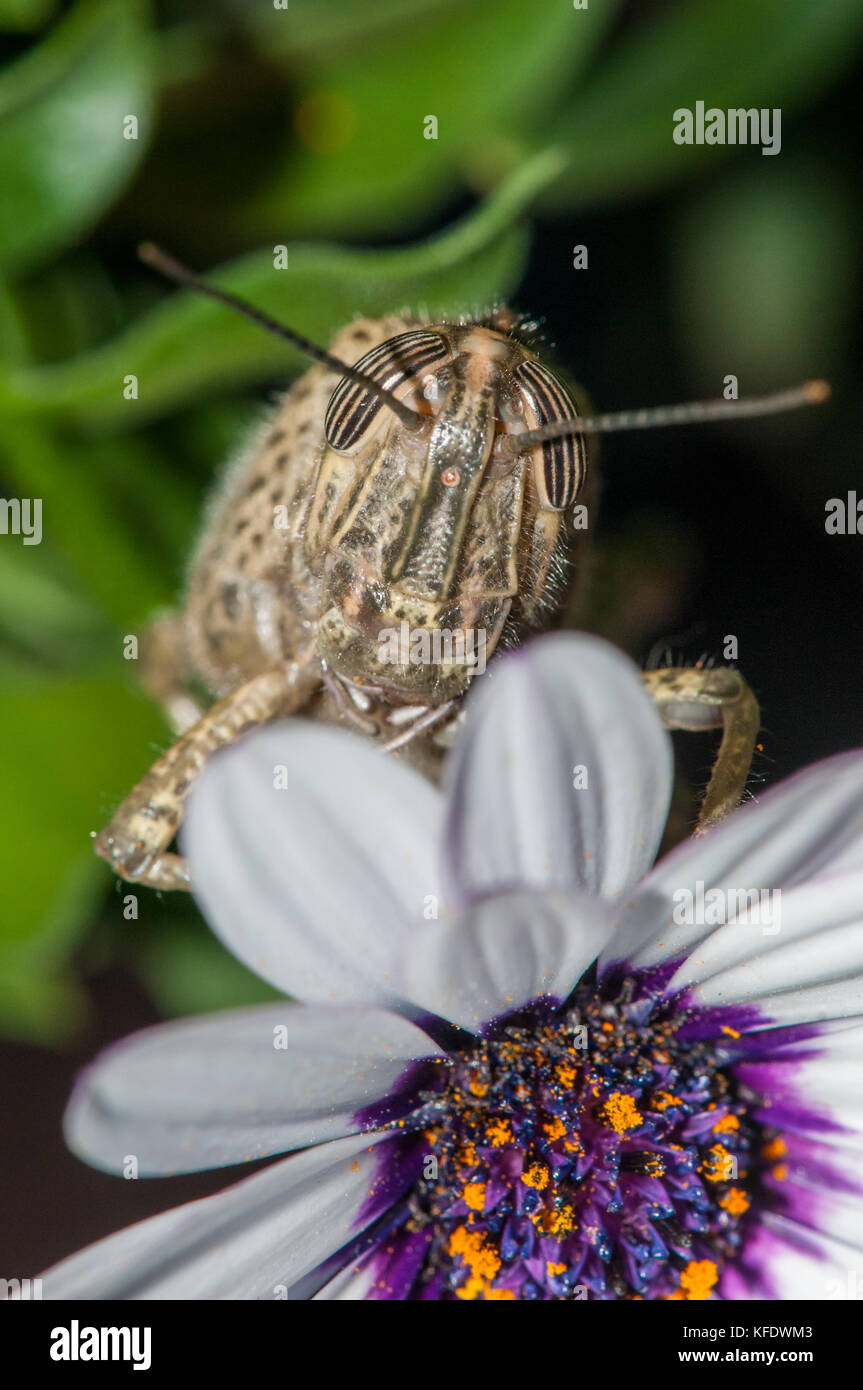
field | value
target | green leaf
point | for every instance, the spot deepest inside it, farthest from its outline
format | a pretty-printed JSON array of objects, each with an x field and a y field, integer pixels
[
  {"x": 72, "y": 749},
  {"x": 727, "y": 53},
  {"x": 68, "y": 307},
  {"x": 25, "y": 15},
  {"x": 189, "y": 971},
  {"x": 359, "y": 162},
  {"x": 40, "y": 1000},
  {"x": 323, "y": 25},
  {"x": 86, "y": 516},
  {"x": 762, "y": 273},
  {"x": 43, "y": 614},
  {"x": 73, "y": 746},
  {"x": 14, "y": 338},
  {"x": 189, "y": 345},
  {"x": 63, "y": 157}
]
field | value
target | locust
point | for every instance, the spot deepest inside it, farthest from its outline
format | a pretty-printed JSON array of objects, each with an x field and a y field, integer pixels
[{"x": 419, "y": 479}]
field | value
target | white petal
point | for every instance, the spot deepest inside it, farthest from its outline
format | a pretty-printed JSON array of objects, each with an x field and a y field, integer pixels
[
  {"x": 831, "y": 1160},
  {"x": 811, "y": 1086},
  {"x": 797, "y": 940},
  {"x": 313, "y": 886},
  {"x": 251, "y": 1241},
  {"x": 815, "y": 1207},
  {"x": 835, "y": 958},
  {"x": 205, "y": 1092},
  {"x": 350, "y": 1285},
  {"x": 836, "y": 1000},
  {"x": 783, "y": 1260},
  {"x": 783, "y": 1043},
  {"x": 515, "y": 817},
  {"x": 815, "y": 939},
  {"x": 810, "y": 825},
  {"x": 503, "y": 953},
  {"x": 824, "y": 1213}
]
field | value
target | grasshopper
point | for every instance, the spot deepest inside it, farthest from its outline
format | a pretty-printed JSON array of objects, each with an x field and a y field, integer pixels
[{"x": 419, "y": 479}]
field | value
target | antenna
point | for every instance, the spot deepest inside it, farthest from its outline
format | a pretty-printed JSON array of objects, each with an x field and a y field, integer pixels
[
  {"x": 654, "y": 417},
  {"x": 174, "y": 270}
]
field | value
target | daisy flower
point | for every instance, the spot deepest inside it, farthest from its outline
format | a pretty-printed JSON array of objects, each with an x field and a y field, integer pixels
[{"x": 525, "y": 1064}]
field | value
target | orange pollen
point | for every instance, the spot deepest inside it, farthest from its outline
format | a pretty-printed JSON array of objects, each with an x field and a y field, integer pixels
[
  {"x": 482, "y": 1261},
  {"x": 735, "y": 1201},
  {"x": 620, "y": 1113},
  {"x": 777, "y": 1148},
  {"x": 698, "y": 1279},
  {"x": 499, "y": 1133},
  {"x": 663, "y": 1100},
  {"x": 535, "y": 1176},
  {"x": 726, "y": 1124},
  {"x": 719, "y": 1164},
  {"x": 555, "y": 1129},
  {"x": 474, "y": 1195},
  {"x": 554, "y": 1223},
  {"x": 472, "y": 1288}
]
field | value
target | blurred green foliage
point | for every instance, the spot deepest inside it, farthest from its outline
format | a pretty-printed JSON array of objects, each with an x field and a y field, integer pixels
[
  {"x": 259, "y": 127},
  {"x": 61, "y": 113}
]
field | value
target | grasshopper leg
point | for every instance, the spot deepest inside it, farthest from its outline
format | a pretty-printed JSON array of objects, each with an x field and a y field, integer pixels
[
  {"x": 695, "y": 698},
  {"x": 164, "y": 671},
  {"x": 135, "y": 842}
]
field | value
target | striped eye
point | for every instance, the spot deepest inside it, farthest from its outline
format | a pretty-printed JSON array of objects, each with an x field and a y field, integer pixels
[
  {"x": 352, "y": 409},
  {"x": 560, "y": 465}
]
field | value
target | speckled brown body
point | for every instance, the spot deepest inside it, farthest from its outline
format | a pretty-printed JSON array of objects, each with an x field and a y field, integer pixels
[
  {"x": 309, "y": 551},
  {"x": 313, "y": 556},
  {"x": 390, "y": 523}
]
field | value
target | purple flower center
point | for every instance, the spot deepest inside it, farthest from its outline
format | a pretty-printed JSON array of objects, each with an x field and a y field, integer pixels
[{"x": 592, "y": 1155}]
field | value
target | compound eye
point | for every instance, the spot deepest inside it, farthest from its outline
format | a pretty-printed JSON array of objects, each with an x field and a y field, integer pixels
[
  {"x": 559, "y": 465},
  {"x": 353, "y": 410}
]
